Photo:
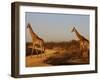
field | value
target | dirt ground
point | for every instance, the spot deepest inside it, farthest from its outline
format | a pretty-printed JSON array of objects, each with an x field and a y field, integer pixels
[
  {"x": 38, "y": 60},
  {"x": 52, "y": 57}
]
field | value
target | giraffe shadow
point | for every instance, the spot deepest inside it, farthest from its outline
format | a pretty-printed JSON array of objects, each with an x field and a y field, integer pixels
[
  {"x": 29, "y": 52},
  {"x": 66, "y": 59}
]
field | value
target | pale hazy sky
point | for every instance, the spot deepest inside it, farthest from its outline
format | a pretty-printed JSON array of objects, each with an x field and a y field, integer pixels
[{"x": 56, "y": 27}]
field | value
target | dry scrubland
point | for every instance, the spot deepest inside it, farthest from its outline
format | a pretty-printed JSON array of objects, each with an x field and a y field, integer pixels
[{"x": 56, "y": 53}]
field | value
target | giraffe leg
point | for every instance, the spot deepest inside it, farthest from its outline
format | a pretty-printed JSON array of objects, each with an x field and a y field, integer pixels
[
  {"x": 81, "y": 49},
  {"x": 42, "y": 51},
  {"x": 36, "y": 51},
  {"x": 32, "y": 50},
  {"x": 81, "y": 53}
]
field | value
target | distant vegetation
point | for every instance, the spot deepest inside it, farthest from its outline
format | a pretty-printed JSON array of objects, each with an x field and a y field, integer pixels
[{"x": 64, "y": 45}]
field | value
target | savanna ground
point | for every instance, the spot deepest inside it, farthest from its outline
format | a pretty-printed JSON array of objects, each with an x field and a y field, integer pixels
[{"x": 56, "y": 53}]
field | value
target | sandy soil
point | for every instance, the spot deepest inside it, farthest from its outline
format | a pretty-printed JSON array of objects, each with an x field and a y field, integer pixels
[
  {"x": 61, "y": 53},
  {"x": 53, "y": 57},
  {"x": 38, "y": 60}
]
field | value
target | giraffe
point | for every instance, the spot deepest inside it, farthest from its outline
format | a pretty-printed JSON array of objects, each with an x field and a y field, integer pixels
[
  {"x": 84, "y": 43},
  {"x": 36, "y": 40}
]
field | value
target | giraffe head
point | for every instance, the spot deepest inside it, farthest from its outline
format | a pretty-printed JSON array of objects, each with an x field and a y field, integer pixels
[
  {"x": 73, "y": 29},
  {"x": 29, "y": 25}
]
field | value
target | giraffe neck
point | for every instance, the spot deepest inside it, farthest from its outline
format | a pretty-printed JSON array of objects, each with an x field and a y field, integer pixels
[
  {"x": 33, "y": 35},
  {"x": 80, "y": 37}
]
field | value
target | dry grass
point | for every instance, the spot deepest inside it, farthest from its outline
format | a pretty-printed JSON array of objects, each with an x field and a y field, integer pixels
[{"x": 56, "y": 53}]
